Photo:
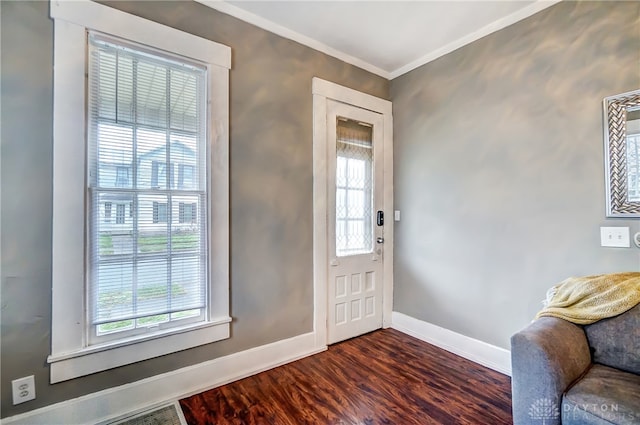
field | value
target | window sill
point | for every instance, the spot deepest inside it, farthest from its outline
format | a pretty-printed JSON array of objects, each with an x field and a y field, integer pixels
[{"x": 97, "y": 358}]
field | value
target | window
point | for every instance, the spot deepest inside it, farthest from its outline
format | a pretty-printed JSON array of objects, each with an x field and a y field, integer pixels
[
  {"x": 151, "y": 285},
  {"x": 188, "y": 213},
  {"x": 155, "y": 168},
  {"x": 185, "y": 176},
  {"x": 159, "y": 212},
  {"x": 120, "y": 208},
  {"x": 144, "y": 274},
  {"x": 107, "y": 212},
  {"x": 122, "y": 176},
  {"x": 159, "y": 175},
  {"x": 354, "y": 187}
]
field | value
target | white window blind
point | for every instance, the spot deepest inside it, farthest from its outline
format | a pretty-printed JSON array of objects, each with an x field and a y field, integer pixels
[{"x": 147, "y": 148}]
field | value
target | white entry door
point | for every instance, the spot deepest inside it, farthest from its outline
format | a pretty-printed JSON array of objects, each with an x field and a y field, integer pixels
[{"x": 355, "y": 220}]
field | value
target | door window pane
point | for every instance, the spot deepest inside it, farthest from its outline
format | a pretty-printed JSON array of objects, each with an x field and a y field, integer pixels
[{"x": 354, "y": 187}]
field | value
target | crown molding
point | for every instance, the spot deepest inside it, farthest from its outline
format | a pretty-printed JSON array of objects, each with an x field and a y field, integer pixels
[
  {"x": 494, "y": 26},
  {"x": 282, "y": 31}
]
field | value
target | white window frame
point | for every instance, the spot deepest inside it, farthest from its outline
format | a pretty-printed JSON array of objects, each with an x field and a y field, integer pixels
[{"x": 71, "y": 355}]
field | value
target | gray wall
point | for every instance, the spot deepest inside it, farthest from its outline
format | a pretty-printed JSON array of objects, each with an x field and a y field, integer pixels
[
  {"x": 271, "y": 190},
  {"x": 499, "y": 167}
]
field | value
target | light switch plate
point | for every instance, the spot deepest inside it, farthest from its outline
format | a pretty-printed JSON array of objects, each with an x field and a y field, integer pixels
[{"x": 617, "y": 237}]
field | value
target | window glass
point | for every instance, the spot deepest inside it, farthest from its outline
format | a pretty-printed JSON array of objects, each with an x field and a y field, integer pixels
[
  {"x": 354, "y": 187},
  {"x": 160, "y": 250}
]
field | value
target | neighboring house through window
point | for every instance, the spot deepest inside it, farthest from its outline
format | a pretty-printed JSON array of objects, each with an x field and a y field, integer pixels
[{"x": 151, "y": 284}]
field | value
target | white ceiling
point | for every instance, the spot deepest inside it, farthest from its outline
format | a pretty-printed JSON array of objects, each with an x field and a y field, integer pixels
[{"x": 389, "y": 37}]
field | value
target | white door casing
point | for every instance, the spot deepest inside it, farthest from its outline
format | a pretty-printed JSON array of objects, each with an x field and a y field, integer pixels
[{"x": 352, "y": 293}]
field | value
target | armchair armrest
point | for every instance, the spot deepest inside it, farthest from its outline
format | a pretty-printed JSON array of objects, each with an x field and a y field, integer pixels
[{"x": 546, "y": 357}]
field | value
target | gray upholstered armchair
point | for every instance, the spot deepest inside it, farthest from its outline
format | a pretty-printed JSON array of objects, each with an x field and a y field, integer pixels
[{"x": 564, "y": 373}]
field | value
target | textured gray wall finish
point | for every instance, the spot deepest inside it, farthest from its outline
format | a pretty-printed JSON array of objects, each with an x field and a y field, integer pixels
[
  {"x": 271, "y": 189},
  {"x": 499, "y": 167}
]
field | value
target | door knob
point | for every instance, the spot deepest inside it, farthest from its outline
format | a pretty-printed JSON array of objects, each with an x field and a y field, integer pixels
[{"x": 380, "y": 240}]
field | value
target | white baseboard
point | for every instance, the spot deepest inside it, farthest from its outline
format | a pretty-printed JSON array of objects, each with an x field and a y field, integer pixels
[
  {"x": 477, "y": 351},
  {"x": 180, "y": 383}
]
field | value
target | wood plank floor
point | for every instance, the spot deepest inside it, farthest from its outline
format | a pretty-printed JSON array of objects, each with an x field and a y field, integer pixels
[{"x": 385, "y": 377}]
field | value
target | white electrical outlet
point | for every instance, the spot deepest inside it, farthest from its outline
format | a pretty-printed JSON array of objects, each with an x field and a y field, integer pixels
[
  {"x": 615, "y": 237},
  {"x": 24, "y": 389}
]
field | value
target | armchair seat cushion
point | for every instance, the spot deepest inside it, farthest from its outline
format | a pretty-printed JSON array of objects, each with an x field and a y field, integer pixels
[{"x": 604, "y": 395}]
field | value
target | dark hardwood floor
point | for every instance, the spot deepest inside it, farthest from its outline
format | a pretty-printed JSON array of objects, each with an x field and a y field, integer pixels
[{"x": 385, "y": 377}]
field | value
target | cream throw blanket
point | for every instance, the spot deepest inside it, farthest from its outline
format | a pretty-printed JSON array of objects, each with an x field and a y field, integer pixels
[{"x": 585, "y": 300}]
